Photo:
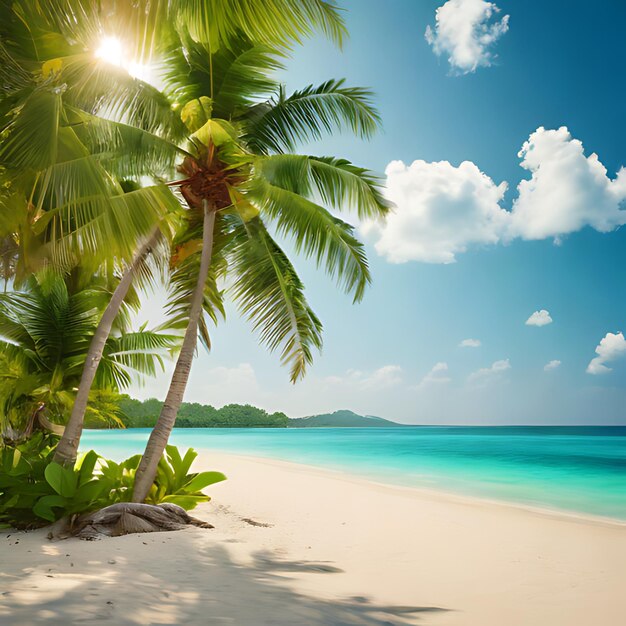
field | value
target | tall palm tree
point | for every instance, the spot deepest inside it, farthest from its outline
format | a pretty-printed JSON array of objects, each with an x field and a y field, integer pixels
[
  {"x": 239, "y": 176},
  {"x": 45, "y": 331}
]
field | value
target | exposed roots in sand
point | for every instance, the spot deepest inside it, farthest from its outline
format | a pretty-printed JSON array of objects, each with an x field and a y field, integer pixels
[{"x": 125, "y": 518}]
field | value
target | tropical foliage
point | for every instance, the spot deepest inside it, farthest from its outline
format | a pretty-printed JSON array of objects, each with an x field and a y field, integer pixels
[
  {"x": 34, "y": 490},
  {"x": 45, "y": 331},
  {"x": 196, "y": 180},
  {"x": 138, "y": 414}
]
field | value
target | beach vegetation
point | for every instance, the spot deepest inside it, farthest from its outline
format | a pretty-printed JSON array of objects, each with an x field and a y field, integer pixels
[
  {"x": 35, "y": 491},
  {"x": 144, "y": 414},
  {"x": 45, "y": 331}
]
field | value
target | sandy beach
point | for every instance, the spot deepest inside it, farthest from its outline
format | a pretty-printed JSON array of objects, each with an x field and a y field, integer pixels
[{"x": 300, "y": 545}]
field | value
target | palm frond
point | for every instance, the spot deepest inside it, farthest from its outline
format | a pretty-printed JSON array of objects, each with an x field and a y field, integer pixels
[
  {"x": 270, "y": 294},
  {"x": 124, "y": 150},
  {"x": 30, "y": 139},
  {"x": 234, "y": 77},
  {"x": 109, "y": 91},
  {"x": 120, "y": 220},
  {"x": 273, "y": 22},
  {"x": 279, "y": 124},
  {"x": 316, "y": 233},
  {"x": 337, "y": 182}
]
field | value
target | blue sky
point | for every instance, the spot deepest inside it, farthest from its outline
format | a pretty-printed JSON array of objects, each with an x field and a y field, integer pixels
[{"x": 553, "y": 244}]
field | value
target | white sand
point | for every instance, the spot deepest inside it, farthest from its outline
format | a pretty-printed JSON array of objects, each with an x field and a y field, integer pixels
[{"x": 339, "y": 550}]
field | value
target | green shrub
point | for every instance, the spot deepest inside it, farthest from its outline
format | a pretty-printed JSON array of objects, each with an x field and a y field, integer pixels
[{"x": 35, "y": 491}]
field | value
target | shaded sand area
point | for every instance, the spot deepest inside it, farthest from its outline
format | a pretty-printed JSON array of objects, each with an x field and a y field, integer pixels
[{"x": 298, "y": 545}]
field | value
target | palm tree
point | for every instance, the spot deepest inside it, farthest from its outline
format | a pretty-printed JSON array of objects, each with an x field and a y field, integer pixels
[
  {"x": 59, "y": 201},
  {"x": 45, "y": 331},
  {"x": 50, "y": 38},
  {"x": 240, "y": 173}
]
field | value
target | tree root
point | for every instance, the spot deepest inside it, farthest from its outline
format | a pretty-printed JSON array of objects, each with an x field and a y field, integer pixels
[{"x": 124, "y": 518}]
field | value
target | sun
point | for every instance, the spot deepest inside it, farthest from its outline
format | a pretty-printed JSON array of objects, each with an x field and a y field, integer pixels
[{"x": 111, "y": 51}]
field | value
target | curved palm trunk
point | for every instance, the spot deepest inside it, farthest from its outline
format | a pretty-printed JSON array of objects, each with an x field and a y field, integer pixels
[
  {"x": 159, "y": 436},
  {"x": 67, "y": 448}
]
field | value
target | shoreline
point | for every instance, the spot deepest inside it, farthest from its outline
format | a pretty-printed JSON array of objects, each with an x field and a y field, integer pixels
[
  {"x": 295, "y": 545},
  {"x": 436, "y": 494}
]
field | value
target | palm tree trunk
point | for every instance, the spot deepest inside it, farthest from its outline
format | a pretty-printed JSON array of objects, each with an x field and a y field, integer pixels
[
  {"x": 159, "y": 436},
  {"x": 67, "y": 448}
]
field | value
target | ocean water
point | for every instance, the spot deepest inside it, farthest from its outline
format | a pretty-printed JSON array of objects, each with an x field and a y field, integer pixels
[{"x": 577, "y": 469}]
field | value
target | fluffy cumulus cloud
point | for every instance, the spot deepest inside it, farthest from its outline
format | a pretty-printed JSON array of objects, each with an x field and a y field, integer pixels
[
  {"x": 567, "y": 190},
  {"x": 381, "y": 378},
  {"x": 470, "y": 343},
  {"x": 551, "y": 365},
  {"x": 465, "y": 31},
  {"x": 442, "y": 210},
  {"x": 539, "y": 318},
  {"x": 438, "y": 375},
  {"x": 611, "y": 347},
  {"x": 487, "y": 375}
]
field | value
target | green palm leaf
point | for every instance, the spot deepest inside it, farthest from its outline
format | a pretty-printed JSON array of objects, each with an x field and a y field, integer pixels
[
  {"x": 281, "y": 123},
  {"x": 337, "y": 182},
  {"x": 235, "y": 78},
  {"x": 276, "y": 22},
  {"x": 269, "y": 293},
  {"x": 316, "y": 234}
]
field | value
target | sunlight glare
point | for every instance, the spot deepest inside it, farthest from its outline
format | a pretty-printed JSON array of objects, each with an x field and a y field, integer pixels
[{"x": 111, "y": 51}]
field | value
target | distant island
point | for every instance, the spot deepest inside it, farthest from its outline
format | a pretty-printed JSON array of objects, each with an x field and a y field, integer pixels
[
  {"x": 143, "y": 414},
  {"x": 343, "y": 419}
]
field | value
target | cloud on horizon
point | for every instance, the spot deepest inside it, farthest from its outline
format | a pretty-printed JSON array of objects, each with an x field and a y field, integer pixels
[
  {"x": 436, "y": 376},
  {"x": 488, "y": 375},
  {"x": 539, "y": 318},
  {"x": 611, "y": 347},
  {"x": 470, "y": 343},
  {"x": 381, "y": 378},
  {"x": 443, "y": 210},
  {"x": 552, "y": 365},
  {"x": 465, "y": 32}
]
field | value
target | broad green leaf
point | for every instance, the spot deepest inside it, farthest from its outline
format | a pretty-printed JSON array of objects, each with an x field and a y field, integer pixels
[
  {"x": 202, "y": 480},
  {"x": 62, "y": 479},
  {"x": 43, "y": 507},
  {"x": 186, "y": 502},
  {"x": 86, "y": 466}
]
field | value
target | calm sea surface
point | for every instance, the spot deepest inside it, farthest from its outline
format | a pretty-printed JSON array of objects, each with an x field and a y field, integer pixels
[{"x": 579, "y": 469}]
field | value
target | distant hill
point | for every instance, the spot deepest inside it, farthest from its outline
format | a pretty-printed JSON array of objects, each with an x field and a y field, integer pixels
[{"x": 339, "y": 419}]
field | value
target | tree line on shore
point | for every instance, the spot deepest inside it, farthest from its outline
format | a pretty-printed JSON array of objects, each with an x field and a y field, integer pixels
[{"x": 144, "y": 414}]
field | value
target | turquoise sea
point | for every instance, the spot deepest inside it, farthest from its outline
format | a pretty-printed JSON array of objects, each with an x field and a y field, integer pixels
[{"x": 578, "y": 469}]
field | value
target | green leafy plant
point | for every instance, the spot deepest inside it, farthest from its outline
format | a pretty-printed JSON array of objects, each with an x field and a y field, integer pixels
[
  {"x": 34, "y": 490},
  {"x": 175, "y": 484}
]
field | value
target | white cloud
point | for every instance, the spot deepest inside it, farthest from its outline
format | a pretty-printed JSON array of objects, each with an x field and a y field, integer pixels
[
  {"x": 486, "y": 375},
  {"x": 440, "y": 211},
  {"x": 381, "y": 378},
  {"x": 465, "y": 32},
  {"x": 552, "y": 365},
  {"x": 539, "y": 318},
  {"x": 470, "y": 343},
  {"x": 567, "y": 190},
  {"x": 436, "y": 376},
  {"x": 443, "y": 210},
  {"x": 611, "y": 347}
]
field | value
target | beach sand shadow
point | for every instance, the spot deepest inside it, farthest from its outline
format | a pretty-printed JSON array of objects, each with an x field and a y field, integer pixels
[{"x": 129, "y": 581}]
